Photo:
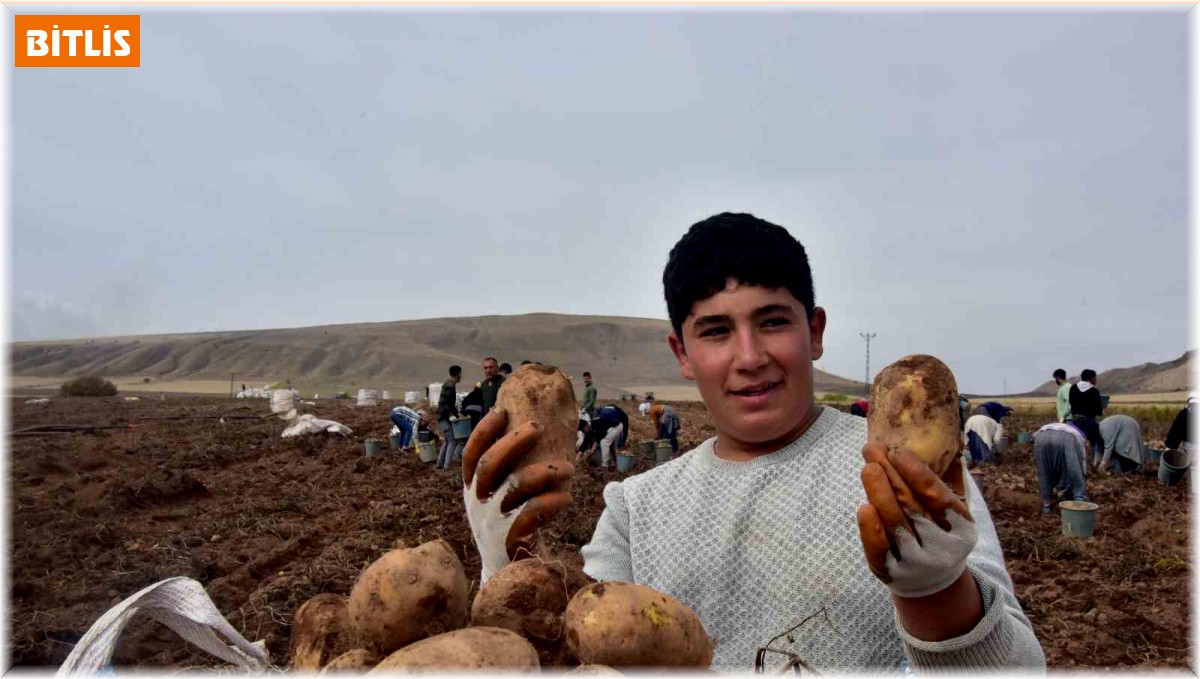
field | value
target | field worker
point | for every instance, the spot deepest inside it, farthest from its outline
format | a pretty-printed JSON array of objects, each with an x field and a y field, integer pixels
[
  {"x": 1124, "y": 449},
  {"x": 786, "y": 510},
  {"x": 1085, "y": 397},
  {"x": 1060, "y": 454},
  {"x": 589, "y": 395},
  {"x": 492, "y": 379},
  {"x": 1181, "y": 435},
  {"x": 860, "y": 408},
  {"x": 985, "y": 439},
  {"x": 408, "y": 421},
  {"x": 448, "y": 408},
  {"x": 1062, "y": 398},
  {"x": 472, "y": 404},
  {"x": 645, "y": 406},
  {"x": 506, "y": 370},
  {"x": 994, "y": 410},
  {"x": 584, "y": 441},
  {"x": 666, "y": 425},
  {"x": 964, "y": 411},
  {"x": 608, "y": 429}
]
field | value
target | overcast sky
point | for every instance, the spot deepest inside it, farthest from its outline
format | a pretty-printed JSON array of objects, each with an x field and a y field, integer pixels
[{"x": 1003, "y": 189}]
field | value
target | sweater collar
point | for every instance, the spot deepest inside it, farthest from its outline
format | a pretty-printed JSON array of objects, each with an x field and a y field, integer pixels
[{"x": 824, "y": 423}]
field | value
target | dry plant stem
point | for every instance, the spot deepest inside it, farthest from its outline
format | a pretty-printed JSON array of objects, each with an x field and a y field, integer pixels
[{"x": 794, "y": 661}]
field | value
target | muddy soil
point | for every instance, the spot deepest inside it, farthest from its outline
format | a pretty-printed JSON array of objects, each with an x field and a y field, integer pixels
[{"x": 267, "y": 523}]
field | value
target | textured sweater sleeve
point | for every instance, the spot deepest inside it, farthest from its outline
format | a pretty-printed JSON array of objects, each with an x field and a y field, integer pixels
[
  {"x": 1004, "y": 638},
  {"x": 606, "y": 557}
]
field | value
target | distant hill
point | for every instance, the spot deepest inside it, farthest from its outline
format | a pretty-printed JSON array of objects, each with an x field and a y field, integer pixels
[
  {"x": 1142, "y": 379},
  {"x": 620, "y": 352}
]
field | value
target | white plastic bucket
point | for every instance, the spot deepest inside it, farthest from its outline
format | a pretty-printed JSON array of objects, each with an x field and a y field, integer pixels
[
  {"x": 367, "y": 397},
  {"x": 412, "y": 397},
  {"x": 385, "y": 395}
]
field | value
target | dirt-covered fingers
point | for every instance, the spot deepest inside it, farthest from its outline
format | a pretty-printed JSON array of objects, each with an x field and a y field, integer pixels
[
  {"x": 502, "y": 456},
  {"x": 534, "y": 480},
  {"x": 880, "y": 495},
  {"x": 490, "y": 428},
  {"x": 874, "y": 541},
  {"x": 522, "y": 536},
  {"x": 930, "y": 491},
  {"x": 877, "y": 454}
]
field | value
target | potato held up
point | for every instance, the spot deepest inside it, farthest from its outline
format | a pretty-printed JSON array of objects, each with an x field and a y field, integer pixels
[
  {"x": 543, "y": 394},
  {"x": 914, "y": 405}
]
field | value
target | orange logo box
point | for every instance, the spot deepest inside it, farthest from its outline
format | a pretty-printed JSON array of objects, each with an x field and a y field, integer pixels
[{"x": 78, "y": 40}]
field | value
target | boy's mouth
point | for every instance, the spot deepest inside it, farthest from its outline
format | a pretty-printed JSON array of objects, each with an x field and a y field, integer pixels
[{"x": 758, "y": 390}]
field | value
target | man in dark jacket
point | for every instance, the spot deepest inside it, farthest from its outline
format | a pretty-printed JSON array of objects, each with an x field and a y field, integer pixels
[
  {"x": 492, "y": 379},
  {"x": 1085, "y": 396},
  {"x": 447, "y": 409},
  {"x": 1181, "y": 433}
]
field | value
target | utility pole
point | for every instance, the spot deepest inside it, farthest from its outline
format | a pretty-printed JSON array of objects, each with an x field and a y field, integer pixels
[
  {"x": 867, "y": 336},
  {"x": 231, "y": 385}
]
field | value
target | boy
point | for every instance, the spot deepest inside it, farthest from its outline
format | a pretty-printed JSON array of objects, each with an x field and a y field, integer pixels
[{"x": 766, "y": 523}]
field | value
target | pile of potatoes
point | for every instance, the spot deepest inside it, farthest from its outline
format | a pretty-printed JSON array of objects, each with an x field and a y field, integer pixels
[{"x": 408, "y": 613}]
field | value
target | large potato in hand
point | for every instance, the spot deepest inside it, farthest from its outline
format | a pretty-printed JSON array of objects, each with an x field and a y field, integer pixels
[
  {"x": 407, "y": 595},
  {"x": 530, "y": 597},
  {"x": 625, "y": 625},
  {"x": 473, "y": 648},
  {"x": 320, "y": 631},
  {"x": 914, "y": 406},
  {"x": 543, "y": 394}
]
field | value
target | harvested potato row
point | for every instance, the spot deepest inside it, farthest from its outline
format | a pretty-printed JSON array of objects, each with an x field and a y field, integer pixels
[
  {"x": 914, "y": 406},
  {"x": 472, "y": 648},
  {"x": 407, "y": 595},
  {"x": 625, "y": 625},
  {"x": 530, "y": 597},
  {"x": 542, "y": 394},
  {"x": 320, "y": 631}
]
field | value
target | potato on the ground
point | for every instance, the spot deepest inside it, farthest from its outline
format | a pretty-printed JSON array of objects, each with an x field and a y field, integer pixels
[
  {"x": 543, "y": 394},
  {"x": 914, "y": 406},
  {"x": 407, "y": 595},
  {"x": 472, "y": 648},
  {"x": 320, "y": 631},
  {"x": 625, "y": 625},
  {"x": 530, "y": 597},
  {"x": 355, "y": 660}
]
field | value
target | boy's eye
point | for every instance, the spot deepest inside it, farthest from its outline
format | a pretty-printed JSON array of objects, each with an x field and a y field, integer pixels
[
  {"x": 777, "y": 321},
  {"x": 714, "y": 331}
]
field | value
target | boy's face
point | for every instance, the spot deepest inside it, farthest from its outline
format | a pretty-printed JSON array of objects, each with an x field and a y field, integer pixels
[{"x": 750, "y": 351}]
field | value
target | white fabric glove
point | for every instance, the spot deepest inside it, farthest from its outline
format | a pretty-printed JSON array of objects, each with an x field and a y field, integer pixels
[
  {"x": 490, "y": 526},
  {"x": 937, "y": 561}
]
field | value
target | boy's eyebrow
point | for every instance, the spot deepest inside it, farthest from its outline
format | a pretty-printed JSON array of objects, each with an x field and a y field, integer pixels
[{"x": 724, "y": 319}]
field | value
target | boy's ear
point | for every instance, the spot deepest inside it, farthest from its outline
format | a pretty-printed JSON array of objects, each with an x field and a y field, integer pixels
[
  {"x": 677, "y": 348},
  {"x": 816, "y": 333}
]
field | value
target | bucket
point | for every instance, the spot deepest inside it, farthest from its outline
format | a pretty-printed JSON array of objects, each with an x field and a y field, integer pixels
[
  {"x": 427, "y": 451},
  {"x": 412, "y": 397},
  {"x": 424, "y": 436},
  {"x": 1156, "y": 454},
  {"x": 367, "y": 397},
  {"x": 662, "y": 451},
  {"x": 645, "y": 448},
  {"x": 385, "y": 395},
  {"x": 374, "y": 447},
  {"x": 625, "y": 462},
  {"x": 1024, "y": 437},
  {"x": 1103, "y": 403},
  {"x": 1172, "y": 467},
  {"x": 1078, "y": 518},
  {"x": 462, "y": 428},
  {"x": 394, "y": 439}
]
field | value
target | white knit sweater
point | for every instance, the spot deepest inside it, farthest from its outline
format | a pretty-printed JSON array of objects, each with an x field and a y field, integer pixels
[{"x": 755, "y": 547}]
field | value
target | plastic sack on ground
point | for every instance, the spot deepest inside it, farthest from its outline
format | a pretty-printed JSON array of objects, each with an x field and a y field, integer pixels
[
  {"x": 309, "y": 424},
  {"x": 182, "y": 605}
]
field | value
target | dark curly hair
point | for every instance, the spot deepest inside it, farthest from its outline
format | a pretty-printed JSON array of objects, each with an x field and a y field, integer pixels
[{"x": 750, "y": 250}]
